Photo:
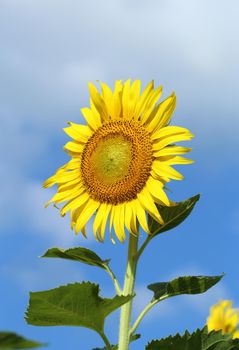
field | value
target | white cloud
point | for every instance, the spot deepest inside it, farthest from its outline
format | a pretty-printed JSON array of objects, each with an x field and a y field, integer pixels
[
  {"x": 47, "y": 222},
  {"x": 41, "y": 274},
  {"x": 203, "y": 302},
  {"x": 142, "y": 299},
  {"x": 181, "y": 44}
]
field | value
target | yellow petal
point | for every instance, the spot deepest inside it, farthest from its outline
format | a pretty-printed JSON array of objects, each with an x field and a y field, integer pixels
[
  {"x": 69, "y": 184},
  {"x": 75, "y": 203},
  {"x": 98, "y": 102},
  {"x": 165, "y": 119},
  {"x": 74, "y": 146},
  {"x": 98, "y": 219},
  {"x": 93, "y": 120},
  {"x": 78, "y": 132},
  {"x": 74, "y": 214},
  {"x": 89, "y": 209},
  {"x": 172, "y": 150},
  {"x": 165, "y": 170},
  {"x": 130, "y": 96},
  {"x": 171, "y": 160},
  {"x": 108, "y": 98},
  {"x": 154, "y": 97},
  {"x": 148, "y": 204},
  {"x": 83, "y": 231},
  {"x": 128, "y": 215},
  {"x": 119, "y": 222},
  {"x": 73, "y": 164},
  {"x": 53, "y": 179},
  {"x": 67, "y": 176},
  {"x": 170, "y": 140},
  {"x": 112, "y": 213},
  {"x": 66, "y": 195},
  {"x": 156, "y": 190},
  {"x": 162, "y": 179},
  {"x": 133, "y": 223},
  {"x": 143, "y": 99},
  {"x": 104, "y": 221},
  {"x": 159, "y": 113},
  {"x": 141, "y": 215},
  {"x": 235, "y": 335},
  {"x": 111, "y": 217},
  {"x": 117, "y": 98},
  {"x": 131, "y": 217},
  {"x": 169, "y": 131}
]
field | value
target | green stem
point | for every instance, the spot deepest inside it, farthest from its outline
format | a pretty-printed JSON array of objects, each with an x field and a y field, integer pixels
[
  {"x": 141, "y": 316},
  {"x": 144, "y": 312},
  {"x": 144, "y": 245},
  {"x": 129, "y": 282},
  {"x": 114, "y": 279},
  {"x": 106, "y": 341}
]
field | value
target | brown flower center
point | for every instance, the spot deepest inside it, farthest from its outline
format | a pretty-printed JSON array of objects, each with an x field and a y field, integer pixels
[{"x": 116, "y": 161}]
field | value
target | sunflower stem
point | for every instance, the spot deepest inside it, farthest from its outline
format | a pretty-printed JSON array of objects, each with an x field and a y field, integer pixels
[{"x": 125, "y": 317}]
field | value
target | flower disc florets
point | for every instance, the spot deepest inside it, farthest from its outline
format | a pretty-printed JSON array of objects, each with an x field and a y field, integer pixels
[{"x": 116, "y": 161}]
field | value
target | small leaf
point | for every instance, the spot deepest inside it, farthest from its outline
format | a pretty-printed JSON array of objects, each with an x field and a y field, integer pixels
[
  {"x": 77, "y": 304},
  {"x": 10, "y": 340},
  {"x": 172, "y": 216},
  {"x": 80, "y": 254},
  {"x": 199, "y": 340},
  {"x": 183, "y": 285},
  {"x": 135, "y": 337}
]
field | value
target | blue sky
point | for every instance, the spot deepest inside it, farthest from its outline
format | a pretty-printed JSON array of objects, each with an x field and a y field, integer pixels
[{"x": 49, "y": 52}]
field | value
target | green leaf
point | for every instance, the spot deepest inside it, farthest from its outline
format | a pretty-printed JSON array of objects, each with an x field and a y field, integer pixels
[
  {"x": 77, "y": 304},
  {"x": 199, "y": 340},
  {"x": 10, "y": 340},
  {"x": 183, "y": 285},
  {"x": 172, "y": 216},
  {"x": 80, "y": 254}
]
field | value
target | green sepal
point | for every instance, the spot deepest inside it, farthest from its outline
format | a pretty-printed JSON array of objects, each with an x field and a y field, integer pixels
[
  {"x": 79, "y": 254},
  {"x": 199, "y": 340},
  {"x": 173, "y": 215},
  {"x": 77, "y": 304},
  {"x": 10, "y": 340},
  {"x": 183, "y": 285}
]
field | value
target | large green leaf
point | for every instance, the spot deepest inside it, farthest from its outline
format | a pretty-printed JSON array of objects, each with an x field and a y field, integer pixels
[
  {"x": 80, "y": 254},
  {"x": 172, "y": 216},
  {"x": 199, "y": 340},
  {"x": 77, "y": 304},
  {"x": 183, "y": 285},
  {"x": 10, "y": 340}
]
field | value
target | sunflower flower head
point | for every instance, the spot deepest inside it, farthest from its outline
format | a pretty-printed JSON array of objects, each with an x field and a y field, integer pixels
[
  {"x": 120, "y": 160},
  {"x": 225, "y": 318}
]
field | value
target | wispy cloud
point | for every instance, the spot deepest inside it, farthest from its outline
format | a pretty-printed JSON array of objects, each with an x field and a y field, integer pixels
[{"x": 40, "y": 274}]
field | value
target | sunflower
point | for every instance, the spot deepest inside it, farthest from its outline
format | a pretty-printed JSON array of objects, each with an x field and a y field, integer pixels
[
  {"x": 120, "y": 160},
  {"x": 223, "y": 317}
]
